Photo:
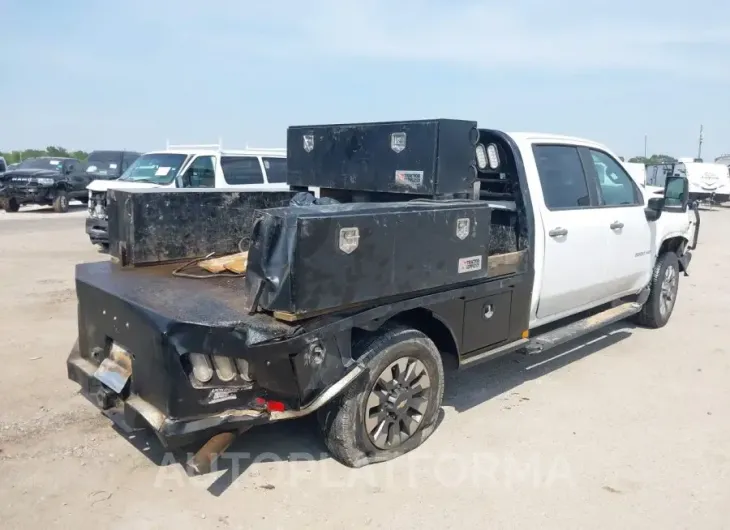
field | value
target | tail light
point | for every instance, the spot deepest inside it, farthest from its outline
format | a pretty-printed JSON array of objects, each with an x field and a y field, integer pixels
[
  {"x": 224, "y": 368},
  {"x": 202, "y": 370}
]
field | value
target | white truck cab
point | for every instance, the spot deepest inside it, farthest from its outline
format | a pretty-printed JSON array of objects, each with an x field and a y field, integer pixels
[
  {"x": 594, "y": 243},
  {"x": 707, "y": 181},
  {"x": 190, "y": 166}
]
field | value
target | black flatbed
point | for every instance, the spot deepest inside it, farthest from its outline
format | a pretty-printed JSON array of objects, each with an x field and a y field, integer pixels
[{"x": 216, "y": 302}]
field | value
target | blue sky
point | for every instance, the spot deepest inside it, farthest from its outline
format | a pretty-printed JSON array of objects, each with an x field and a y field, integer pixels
[{"x": 94, "y": 74}]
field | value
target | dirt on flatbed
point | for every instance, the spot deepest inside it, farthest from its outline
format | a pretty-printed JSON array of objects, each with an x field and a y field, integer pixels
[{"x": 627, "y": 429}]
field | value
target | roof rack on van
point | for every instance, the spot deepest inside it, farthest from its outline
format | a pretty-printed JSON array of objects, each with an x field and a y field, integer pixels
[
  {"x": 210, "y": 147},
  {"x": 266, "y": 149}
]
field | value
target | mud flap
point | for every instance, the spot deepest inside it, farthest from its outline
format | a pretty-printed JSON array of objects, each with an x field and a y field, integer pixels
[{"x": 684, "y": 260}]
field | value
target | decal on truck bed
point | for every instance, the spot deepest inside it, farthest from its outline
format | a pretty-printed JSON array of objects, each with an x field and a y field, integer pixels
[{"x": 471, "y": 264}]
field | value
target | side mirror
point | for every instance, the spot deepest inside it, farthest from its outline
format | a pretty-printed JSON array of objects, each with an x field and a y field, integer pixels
[
  {"x": 676, "y": 194},
  {"x": 654, "y": 207}
]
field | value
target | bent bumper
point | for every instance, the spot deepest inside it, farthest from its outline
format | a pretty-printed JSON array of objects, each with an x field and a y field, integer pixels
[{"x": 179, "y": 432}]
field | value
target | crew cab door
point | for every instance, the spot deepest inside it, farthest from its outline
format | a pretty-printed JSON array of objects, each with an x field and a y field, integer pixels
[
  {"x": 575, "y": 271},
  {"x": 626, "y": 231}
]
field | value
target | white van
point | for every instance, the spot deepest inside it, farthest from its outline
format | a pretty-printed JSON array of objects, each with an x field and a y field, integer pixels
[
  {"x": 707, "y": 181},
  {"x": 190, "y": 166}
]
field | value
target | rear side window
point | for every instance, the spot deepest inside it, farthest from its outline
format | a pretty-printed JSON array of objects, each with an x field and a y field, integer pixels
[
  {"x": 562, "y": 178},
  {"x": 238, "y": 170},
  {"x": 3, "y": 167},
  {"x": 275, "y": 169}
]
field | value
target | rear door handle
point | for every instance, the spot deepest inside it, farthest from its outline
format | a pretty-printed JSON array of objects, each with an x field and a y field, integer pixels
[
  {"x": 616, "y": 225},
  {"x": 557, "y": 232}
]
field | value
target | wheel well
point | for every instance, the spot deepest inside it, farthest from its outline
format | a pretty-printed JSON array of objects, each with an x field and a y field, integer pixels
[
  {"x": 673, "y": 244},
  {"x": 424, "y": 321}
]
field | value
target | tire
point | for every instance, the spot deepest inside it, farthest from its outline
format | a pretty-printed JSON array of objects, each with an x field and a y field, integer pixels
[
  {"x": 658, "y": 308},
  {"x": 11, "y": 205},
  {"x": 60, "y": 202},
  {"x": 347, "y": 421}
]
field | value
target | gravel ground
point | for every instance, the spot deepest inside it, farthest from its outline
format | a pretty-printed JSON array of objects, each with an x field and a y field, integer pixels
[{"x": 629, "y": 429}]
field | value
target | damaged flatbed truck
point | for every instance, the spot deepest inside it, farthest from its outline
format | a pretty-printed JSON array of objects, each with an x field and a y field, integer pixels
[{"x": 430, "y": 238}]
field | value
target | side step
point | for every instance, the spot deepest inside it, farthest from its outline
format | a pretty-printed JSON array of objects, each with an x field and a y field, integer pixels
[{"x": 581, "y": 327}]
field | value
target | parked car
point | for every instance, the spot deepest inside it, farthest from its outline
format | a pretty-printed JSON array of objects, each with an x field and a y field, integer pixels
[
  {"x": 189, "y": 166},
  {"x": 563, "y": 252},
  {"x": 109, "y": 165},
  {"x": 46, "y": 181}
]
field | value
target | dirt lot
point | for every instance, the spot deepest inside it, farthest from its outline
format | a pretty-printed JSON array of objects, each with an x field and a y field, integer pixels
[{"x": 630, "y": 430}]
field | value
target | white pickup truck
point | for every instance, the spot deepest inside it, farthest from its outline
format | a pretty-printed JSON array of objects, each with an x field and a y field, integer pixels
[{"x": 571, "y": 241}]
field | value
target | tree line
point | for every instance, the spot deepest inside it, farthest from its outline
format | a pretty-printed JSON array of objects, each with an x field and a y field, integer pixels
[{"x": 11, "y": 157}]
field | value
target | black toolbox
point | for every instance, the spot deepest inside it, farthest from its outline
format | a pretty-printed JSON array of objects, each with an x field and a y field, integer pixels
[
  {"x": 424, "y": 157},
  {"x": 310, "y": 260},
  {"x": 161, "y": 225}
]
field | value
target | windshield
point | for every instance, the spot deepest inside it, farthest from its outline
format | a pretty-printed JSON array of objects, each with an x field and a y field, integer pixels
[
  {"x": 104, "y": 163},
  {"x": 156, "y": 168},
  {"x": 53, "y": 164}
]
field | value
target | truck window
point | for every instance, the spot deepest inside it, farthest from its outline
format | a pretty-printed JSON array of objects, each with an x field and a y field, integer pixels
[
  {"x": 201, "y": 173},
  {"x": 616, "y": 187},
  {"x": 562, "y": 178},
  {"x": 275, "y": 169},
  {"x": 239, "y": 170}
]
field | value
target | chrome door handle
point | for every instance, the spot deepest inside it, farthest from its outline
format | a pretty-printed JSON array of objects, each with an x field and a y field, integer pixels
[
  {"x": 616, "y": 225},
  {"x": 557, "y": 232}
]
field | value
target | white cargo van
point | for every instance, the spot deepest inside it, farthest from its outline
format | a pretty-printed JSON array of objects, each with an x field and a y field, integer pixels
[{"x": 190, "y": 166}]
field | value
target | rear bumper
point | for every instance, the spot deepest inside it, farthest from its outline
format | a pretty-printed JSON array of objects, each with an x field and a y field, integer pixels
[
  {"x": 98, "y": 230},
  {"x": 175, "y": 433},
  {"x": 140, "y": 414}
]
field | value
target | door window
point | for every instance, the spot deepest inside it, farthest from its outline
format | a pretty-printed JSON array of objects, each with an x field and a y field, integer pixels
[
  {"x": 201, "y": 173},
  {"x": 562, "y": 177},
  {"x": 238, "y": 170},
  {"x": 616, "y": 187}
]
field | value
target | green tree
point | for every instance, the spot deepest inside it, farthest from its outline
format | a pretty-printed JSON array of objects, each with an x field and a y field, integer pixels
[
  {"x": 654, "y": 159},
  {"x": 12, "y": 157}
]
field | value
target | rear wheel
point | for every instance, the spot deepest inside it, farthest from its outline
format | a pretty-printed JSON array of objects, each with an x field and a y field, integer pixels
[
  {"x": 11, "y": 205},
  {"x": 392, "y": 408},
  {"x": 663, "y": 294},
  {"x": 60, "y": 202}
]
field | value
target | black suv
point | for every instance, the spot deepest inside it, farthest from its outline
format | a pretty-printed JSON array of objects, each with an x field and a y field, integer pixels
[
  {"x": 47, "y": 181},
  {"x": 109, "y": 165}
]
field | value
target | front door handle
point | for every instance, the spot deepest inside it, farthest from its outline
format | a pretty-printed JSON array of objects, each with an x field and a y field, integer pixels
[
  {"x": 616, "y": 225},
  {"x": 557, "y": 232}
]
